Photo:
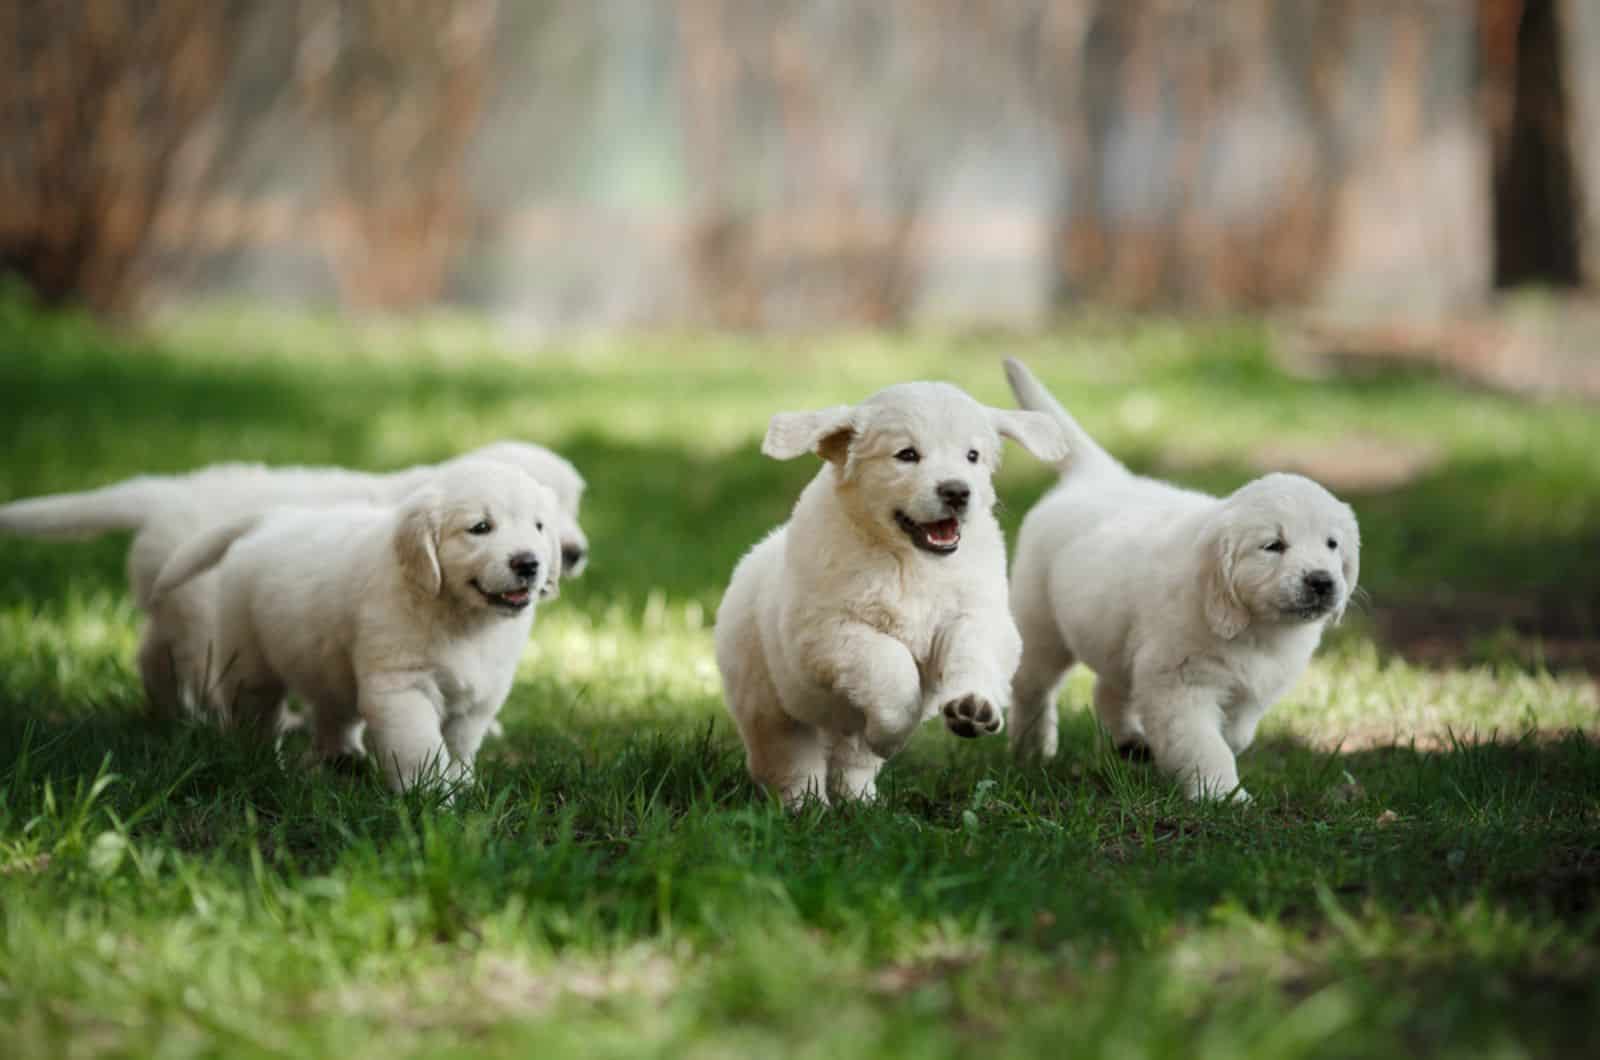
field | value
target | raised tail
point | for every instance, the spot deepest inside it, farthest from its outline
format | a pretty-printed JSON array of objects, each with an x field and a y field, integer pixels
[
  {"x": 1083, "y": 452},
  {"x": 121, "y": 506},
  {"x": 200, "y": 553}
]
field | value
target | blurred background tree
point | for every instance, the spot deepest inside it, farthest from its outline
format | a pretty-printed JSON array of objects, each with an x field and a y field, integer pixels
[{"x": 801, "y": 164}]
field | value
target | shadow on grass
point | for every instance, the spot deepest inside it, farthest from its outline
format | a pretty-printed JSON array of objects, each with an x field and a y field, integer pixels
[{"x": 1088, "y": 847}]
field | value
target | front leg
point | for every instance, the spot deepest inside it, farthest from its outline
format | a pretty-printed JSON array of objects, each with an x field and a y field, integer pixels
[
  {"x": 463, "y": 735},
  {"x": 404, "y": 732},
  {"x": 1183, "y": 726},
  {"x": 977, "y": 659},
  {"x": 852, "y": 769},
  {"x": 877, "y": 675}
]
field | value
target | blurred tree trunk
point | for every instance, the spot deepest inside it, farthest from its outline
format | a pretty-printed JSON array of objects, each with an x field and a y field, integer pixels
[
  {"x": 1535, "y": 207},
  {"x": 401, "y": 84},
  {"x": 1580, "y": 32},
  {"x": 97, "y": 106}
]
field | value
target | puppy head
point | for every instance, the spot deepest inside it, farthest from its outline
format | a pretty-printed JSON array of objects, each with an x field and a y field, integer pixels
[
  {"x": 482, "y": 535},
  {"x": 915, "y": 460},
  {"x": 1282, "y": 550},
  {"x": 549, "y": 469}
]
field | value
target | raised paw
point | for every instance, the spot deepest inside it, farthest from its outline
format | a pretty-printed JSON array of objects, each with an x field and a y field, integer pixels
[{"x": 971, "y": 715}]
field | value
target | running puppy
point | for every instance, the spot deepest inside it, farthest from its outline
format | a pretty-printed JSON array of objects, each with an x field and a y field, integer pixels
[
  {"x": 882, "y": 601},
  {"x": 1195, "y": 612},
  {"x": 177, "y": 658},
  {"x": 408, "y": 618}
]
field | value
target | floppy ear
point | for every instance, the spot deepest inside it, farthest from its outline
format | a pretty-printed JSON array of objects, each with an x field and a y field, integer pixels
[
  {"x": 552, "y": 579},
  {"x": 1037, "y": 432},
  {"x": 1225, "y": 614},
  {"x": 826, "y": 432},
  {"x": 1350, "y": 560},
  {"x": 416, "y": 541}
]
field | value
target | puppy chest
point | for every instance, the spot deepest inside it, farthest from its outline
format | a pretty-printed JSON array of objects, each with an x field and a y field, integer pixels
[{"x": 474, "y": 679}]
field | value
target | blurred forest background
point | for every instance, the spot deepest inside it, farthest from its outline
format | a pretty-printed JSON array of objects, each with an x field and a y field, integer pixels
[{"x": 800, "y": 164}]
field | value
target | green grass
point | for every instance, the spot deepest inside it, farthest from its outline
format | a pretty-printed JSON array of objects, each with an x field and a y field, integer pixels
[{"x": 1419, "y": 872}]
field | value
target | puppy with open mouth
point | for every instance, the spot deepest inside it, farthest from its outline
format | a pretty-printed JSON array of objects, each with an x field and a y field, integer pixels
[
  {"x": 177, "y": 650},
  {"x": 882, "y": 602},
  {"x": 405, "y": 620},
  {"x": 1195, "y": 612}
]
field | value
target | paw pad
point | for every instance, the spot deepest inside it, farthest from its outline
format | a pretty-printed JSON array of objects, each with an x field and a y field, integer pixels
[{"x": 971, "y": 716}]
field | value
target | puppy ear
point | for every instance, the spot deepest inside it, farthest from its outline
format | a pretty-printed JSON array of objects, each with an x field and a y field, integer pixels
[
  {"x": 1037, "y": 432},
  {"x": 552, "y": 579},
  {"x": 416, "y": 541},
  {"x": 826, "y": 432},
  {"x": 1225, "y": 613},
  {"x": 1350, "y": 560}
]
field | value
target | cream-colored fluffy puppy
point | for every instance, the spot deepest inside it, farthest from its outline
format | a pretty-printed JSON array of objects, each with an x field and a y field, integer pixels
[
  {"x": 882, "y": 601},
  {"x": 1194, "y": 612},
  {"x": 409, "y": 618},
  {"x": 177, "y": 659}
]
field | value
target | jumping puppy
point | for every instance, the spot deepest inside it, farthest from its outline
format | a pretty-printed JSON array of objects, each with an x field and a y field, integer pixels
[
  {"x": 177, "y": 657},
  {"x": 407, "y": 618},
  {"x": 1195, "y": 613},
  {"x": 882, "y": 601}
]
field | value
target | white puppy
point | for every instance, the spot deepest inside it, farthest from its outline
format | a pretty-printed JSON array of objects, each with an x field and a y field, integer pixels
[
  {"x": 177, "y": 659},
  {"x": 409, "y": 618},
  {"x": 882, "y": 602},
  {"x": 1194, "y": 612}
]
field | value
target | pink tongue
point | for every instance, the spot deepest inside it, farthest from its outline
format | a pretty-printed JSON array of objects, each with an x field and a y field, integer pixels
[
  {"x": 515, "y": 596},
  {"x": 944, "y": 532}
]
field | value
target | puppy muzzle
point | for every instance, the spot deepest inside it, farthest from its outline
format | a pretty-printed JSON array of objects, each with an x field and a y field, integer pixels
[
  {"x": 517, "y": 593},
  {"x": 940, "y": 536}
]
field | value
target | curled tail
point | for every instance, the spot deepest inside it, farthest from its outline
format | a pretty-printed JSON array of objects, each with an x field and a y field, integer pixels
[
  {"x": 1083, "y": 452},
  {"x": 121, "y": 506},
  {"x": 200, "y": 553}
]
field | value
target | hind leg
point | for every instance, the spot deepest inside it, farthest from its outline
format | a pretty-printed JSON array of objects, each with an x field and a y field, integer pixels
[
  {"x": 336, "y": 735},
  {"x": 248, "y": 696},
  {"x": 246, "y": 693},
  {"x": 158, "y": 670},
  {"x": 1045, "y": 661},
  {"x": 783, "y": 755},
  {"x": 179, "y": 654},
  {"x": 1112, "y": 707},
  {"x": 786, "y": 756}
]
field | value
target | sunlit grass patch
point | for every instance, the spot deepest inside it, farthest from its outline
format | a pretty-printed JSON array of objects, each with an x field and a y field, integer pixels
[{"x": 74, "y": 652}]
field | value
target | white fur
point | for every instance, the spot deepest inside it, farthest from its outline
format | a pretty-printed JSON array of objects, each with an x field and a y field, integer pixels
[
  {"x": 177, "y": 658},
  {"x": 838, "y": 636},
  {"x": 1191, "y": 627},
  {"x": 379, "y": 614}
]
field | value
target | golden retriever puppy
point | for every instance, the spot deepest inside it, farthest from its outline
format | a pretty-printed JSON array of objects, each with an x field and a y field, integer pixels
[
  {"x": 177, "y": 656},
  {"x": 882, "y": 602},
  {"x": 1195, "y": 612},
  {"x": 408, "y": 618}
]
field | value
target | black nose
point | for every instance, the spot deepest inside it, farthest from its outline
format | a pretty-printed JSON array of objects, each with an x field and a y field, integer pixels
[
  {"x": 1320, "y": 582},
  {"x": 955, "y": 493},
  {"x": 572, "y": 555},
  {"x": 524, "y": 564}
]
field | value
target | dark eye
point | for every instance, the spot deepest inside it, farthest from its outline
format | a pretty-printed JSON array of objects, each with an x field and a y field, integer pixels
[
  {"x": 1332, "y": 543},
  {"x": 908, "y": 455},
  {"x": 538, "y": 526},
  {"x": 1279, "y": 545},
  {"x": 482, "y": 526},
  {"x": 972, "y": 456}
]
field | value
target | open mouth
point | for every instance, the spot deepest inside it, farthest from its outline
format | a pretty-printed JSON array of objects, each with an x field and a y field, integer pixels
[
  {"x": 1308, "y": 612},
  {"x": 510, "y": 600},
  {"x": 941, "y": 538}
]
